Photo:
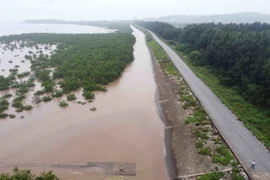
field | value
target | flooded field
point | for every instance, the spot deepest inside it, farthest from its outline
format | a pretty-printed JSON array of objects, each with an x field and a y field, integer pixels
[
  {"x": 18, "y": 28},
  {"x": 125, "y": 128}
]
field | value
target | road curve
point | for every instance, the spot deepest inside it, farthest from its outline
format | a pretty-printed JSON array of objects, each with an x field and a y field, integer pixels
[{"x": 244, "y": 145}]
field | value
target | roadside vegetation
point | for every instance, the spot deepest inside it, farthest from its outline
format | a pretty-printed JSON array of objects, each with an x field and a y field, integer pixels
[
  {"x": 209, "y": 141},
  {"x": 233, "y": 60}
]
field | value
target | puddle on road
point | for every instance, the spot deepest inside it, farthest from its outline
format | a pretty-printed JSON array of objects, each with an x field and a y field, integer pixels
[{"x": 124, "y": 128}]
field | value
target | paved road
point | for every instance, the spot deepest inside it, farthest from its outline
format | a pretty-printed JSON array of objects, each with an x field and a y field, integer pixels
[{"x": 241, "y": 141}]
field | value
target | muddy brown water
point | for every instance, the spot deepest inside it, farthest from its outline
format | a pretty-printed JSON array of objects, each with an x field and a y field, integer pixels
[{"x": 124, "y": 128}]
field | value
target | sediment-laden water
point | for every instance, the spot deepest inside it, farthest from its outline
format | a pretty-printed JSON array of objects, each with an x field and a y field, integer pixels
[{"x": 124, "y": 128}]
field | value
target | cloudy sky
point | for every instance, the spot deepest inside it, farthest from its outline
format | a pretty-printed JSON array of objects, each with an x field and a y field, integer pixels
[{"x": 19, "y": 10}]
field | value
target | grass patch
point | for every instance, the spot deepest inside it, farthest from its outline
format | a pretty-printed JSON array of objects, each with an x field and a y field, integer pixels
[
  {"x": 188, "y": 100},
  {"x": 200, "y": 134},
  {"x": 161, "y": 56},
  {"x": 211, "y": 176},
  {"x": 217, "y": 140},
  {"x": 205, "y": 151},
  {"x": 224, "y": 151},
  {"x": 221, "y": 160},
  {"x": 236, "y": 175},
  {"x": 199, "y": 144}
]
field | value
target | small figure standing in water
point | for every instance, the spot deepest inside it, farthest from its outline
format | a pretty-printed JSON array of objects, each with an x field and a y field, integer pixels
[
  {"x": 122, "y": 169},
  {"x": 253, "y": 164}
]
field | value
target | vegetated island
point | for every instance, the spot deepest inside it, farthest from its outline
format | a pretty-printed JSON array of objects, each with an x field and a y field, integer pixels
[
  {"x": 81, "y": 61},
  {"x": 233, "y": 60}
]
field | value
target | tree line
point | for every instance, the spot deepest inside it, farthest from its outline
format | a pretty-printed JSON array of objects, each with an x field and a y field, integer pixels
[{"x": 238, "y": 53}]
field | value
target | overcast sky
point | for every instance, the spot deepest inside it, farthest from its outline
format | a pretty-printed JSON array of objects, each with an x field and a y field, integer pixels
[{"x": 19, "y": 10}]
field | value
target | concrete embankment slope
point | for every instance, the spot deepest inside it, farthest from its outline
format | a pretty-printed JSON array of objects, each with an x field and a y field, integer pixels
[{"x": 244, "y": 145}]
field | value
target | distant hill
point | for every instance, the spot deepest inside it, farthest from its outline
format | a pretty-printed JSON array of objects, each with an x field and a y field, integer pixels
[{"x": 245, "y": 17}]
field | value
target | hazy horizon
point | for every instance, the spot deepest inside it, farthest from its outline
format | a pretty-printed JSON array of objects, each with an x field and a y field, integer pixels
[{"x": 18, "y": 10}]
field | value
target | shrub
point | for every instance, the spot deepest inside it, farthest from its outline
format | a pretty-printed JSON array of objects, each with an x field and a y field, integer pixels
[
  {"x": 195, "y": 57},
  {"x": 17, "y": 104},
  {"x": 46, "y": 99},
  {"x": 19, "y": 98},
  {"x": 4, "y": 102},
  {"x": 88, "y": 95},
  {"x": 188, "y": 100},
  {"x": 58, "y": 93},
  {"x": 221, "y": 160},
  {"x": 211, "y": 176},
  {"x": 12, "y": 116},
  {"x": 39, "y": 92},
  {"x": 28, "y": 107},
  {"x": 199, "y": 144},
  {"x": 63, "y": 104},
  {"x": 24, "y": 74},
  {"x": 23, "y": 90},
  {"x": 201, "y": 134},
  {"x": 235, "y": 175},
  {"x": 3, "y": 108},
  {"x": 205, "y": 151},
  {"x": 217, "y": 140},
  {"x": 3, "y": 115},
  {"x": 234, "y": 164},
  {"x": 71, "y": 97},
  {"x": 27, "y": 175},
  {"x": 224, "y": 151},
  {"x": 19, "y": 109},
  {"x": 8, "y": 95}
]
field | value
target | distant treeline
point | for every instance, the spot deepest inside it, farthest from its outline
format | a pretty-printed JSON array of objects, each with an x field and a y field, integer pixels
[
  {"x": 121, "y": 26},
  {"x": 238, "y": 53}
]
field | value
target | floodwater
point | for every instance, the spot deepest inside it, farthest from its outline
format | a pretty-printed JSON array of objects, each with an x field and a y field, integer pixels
[
  {"x": 19, "y": 28},
  {"x": 124, "y": 128}
]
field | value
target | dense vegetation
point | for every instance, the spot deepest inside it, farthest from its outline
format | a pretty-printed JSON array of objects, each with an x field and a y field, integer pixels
[
  {"x": 27, "y": 175},
  {"x": 81, "y": 61},
  {"x": 239, "y": 53},
  {"x": 233, "y": 60}
]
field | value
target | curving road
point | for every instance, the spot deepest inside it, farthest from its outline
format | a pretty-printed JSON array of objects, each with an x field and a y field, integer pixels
[{"x": 244, "y": 145}]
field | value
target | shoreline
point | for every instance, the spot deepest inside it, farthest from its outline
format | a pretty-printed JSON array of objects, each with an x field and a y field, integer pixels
[{"x": 169, "y": 158}]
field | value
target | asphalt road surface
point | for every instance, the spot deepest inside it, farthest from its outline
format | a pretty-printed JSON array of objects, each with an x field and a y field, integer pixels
[{"x": 244, "y": 145}]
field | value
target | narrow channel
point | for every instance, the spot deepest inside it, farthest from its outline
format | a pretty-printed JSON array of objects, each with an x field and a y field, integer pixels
[{"x": 125, "y": 128}]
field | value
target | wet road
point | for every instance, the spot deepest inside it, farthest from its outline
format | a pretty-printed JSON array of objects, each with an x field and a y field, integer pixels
[{"x": 239, "y": 138}]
